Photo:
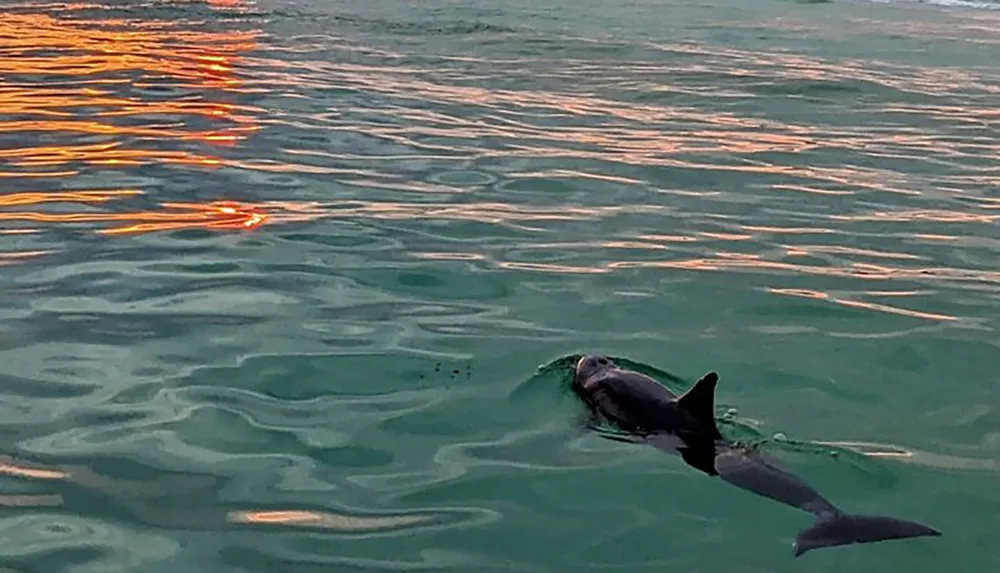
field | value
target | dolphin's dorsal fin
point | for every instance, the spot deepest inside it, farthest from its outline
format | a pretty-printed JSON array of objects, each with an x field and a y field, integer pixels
[{"x": 699, "y": 401}]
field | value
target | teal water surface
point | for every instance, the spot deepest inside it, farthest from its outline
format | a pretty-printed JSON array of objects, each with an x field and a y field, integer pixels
[{"x": 292, "y": 286}]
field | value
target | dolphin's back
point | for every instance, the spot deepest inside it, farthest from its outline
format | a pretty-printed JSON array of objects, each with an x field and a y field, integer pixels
[
  {"x": 753, "y": 472},
  {"x": 635, "y": 402},
  {"x": 640, "y": 386}
]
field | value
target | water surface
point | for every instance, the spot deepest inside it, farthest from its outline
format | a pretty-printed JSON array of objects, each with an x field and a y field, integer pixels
[{"x": 290, "y": 286}]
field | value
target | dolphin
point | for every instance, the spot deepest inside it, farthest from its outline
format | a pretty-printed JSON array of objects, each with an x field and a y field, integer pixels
[{"x": 649, "y": 413}]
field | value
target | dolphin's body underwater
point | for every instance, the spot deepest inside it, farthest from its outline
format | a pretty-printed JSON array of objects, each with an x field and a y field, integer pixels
[{"x": 651, "y": 414}]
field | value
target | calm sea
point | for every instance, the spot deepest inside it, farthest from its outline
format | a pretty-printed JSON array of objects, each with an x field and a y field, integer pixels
[{"x": 291, "y": 286}]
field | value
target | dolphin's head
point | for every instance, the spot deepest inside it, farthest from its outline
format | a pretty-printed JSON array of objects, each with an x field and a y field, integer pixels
[{"x": 588, "y": 367}]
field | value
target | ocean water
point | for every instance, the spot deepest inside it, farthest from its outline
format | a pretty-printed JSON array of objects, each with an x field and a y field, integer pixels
[{"x": 291, "y": 286}]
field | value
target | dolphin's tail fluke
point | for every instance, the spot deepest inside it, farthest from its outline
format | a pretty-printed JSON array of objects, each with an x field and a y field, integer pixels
[{"x": 837, "y": 528}]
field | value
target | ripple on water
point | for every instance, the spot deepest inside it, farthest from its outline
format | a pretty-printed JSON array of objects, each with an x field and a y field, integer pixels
[{"x": 58, "y": 539}]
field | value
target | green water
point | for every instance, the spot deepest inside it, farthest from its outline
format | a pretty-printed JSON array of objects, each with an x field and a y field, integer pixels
[{"x": 291, "y": 286}]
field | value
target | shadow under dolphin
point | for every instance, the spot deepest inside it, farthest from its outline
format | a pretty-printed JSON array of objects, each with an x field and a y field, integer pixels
[{"x": 647, "y": 412}]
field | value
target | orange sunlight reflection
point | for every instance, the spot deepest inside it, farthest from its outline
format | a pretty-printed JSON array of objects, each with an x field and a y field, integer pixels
[
  {"x": 912, "y": 456},
  {"x": 84, "y": 93},
  {"x": 850, "y": 270},
  {"x": 84, "y": 476},
  {"x": 325, "y": 519},
  {"x": 215, "y": 215},
  {"x": 8, "y": 467},
  {"x": 859, "y": 304}
]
